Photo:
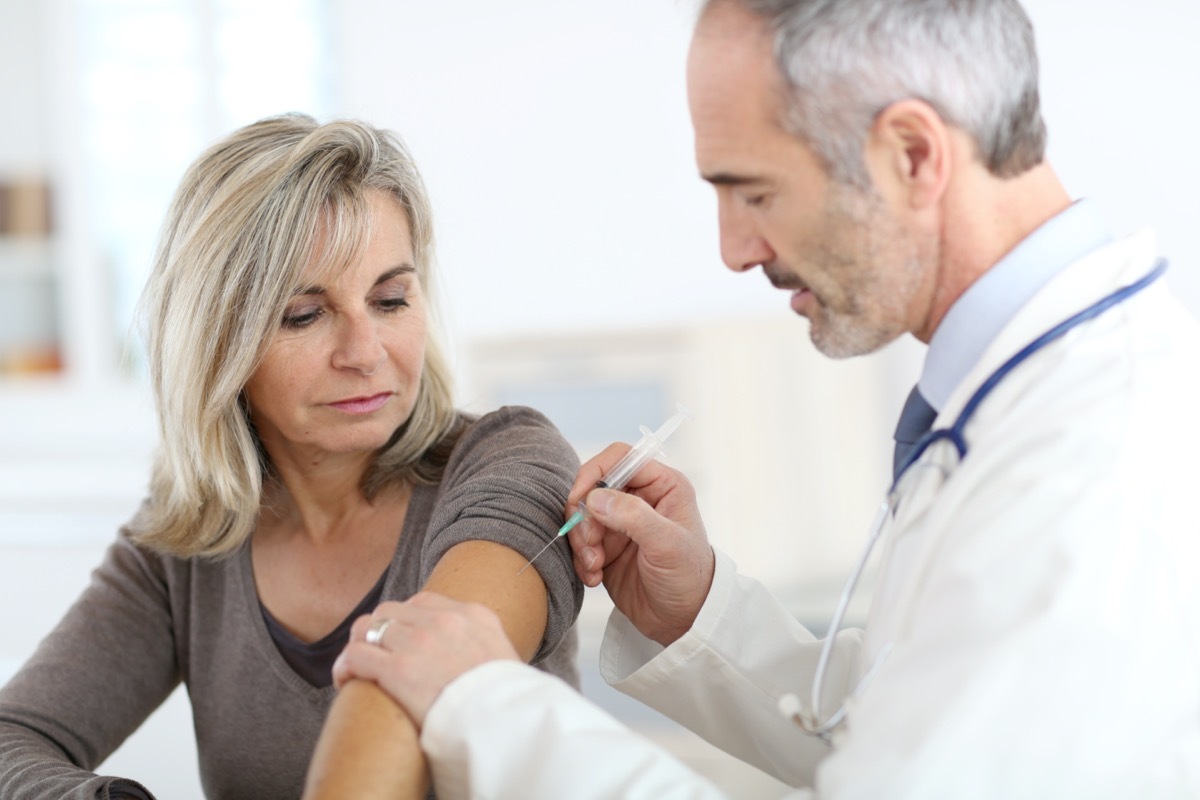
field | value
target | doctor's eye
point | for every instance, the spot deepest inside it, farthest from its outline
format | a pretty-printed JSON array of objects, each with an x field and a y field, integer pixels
[{"x": 755, "y": 200}]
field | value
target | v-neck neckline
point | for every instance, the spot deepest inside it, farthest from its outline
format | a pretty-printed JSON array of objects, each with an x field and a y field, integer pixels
[{"x": 253, "y": 605}]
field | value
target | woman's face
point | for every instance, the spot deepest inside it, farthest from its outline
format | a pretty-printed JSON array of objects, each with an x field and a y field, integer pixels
[{"x": 341, "y": 373}]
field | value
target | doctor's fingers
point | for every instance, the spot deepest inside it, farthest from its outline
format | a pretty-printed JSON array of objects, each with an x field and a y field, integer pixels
[
  {"x": 426, "y": 642},
  {"x": 392, "y": 614},
  {"x": 433, "y": 622},
  {"x": 403, "y": 676},
  {"x": 651, "y": 480},
  {"x": 622, "y": 514},
  {"x": 384, "y": 615},
  {"x": 425, "y": 610},
  {"x": 593, "y": 548},
  {"x": 360, "y": 661},
  {"x": 591, "y": 471}
]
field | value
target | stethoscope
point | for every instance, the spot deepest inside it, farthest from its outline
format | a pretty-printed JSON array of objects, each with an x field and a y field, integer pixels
[{"x": 810, "y": 721}]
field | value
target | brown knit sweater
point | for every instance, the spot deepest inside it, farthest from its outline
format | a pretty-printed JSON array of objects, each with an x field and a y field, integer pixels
[{"x": 149, "y": 621}]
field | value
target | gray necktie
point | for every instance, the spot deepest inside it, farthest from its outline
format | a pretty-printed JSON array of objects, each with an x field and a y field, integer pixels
[{"x": 915, "y": 421}]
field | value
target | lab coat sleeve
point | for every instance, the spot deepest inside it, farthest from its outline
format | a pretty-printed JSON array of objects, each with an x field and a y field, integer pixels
[
  {"x": 507, "y": 730},
  {"x": 724, "y": 678}
]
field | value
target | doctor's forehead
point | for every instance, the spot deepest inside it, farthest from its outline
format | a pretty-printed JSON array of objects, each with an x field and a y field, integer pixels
[{"x": 736, "y": 97}]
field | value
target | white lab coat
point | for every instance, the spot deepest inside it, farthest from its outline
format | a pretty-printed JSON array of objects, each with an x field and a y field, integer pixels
[{"x": 1042, "y": 607}]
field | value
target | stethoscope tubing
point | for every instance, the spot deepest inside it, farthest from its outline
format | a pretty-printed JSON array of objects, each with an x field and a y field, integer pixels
[
  {"x": 811, "y": 724},
  {"x": 955, "y": 432}
]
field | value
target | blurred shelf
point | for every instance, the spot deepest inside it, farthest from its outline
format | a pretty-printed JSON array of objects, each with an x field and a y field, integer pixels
[
  {"x": 26, "y": 256},
  {"x": 30, "y": 332}
]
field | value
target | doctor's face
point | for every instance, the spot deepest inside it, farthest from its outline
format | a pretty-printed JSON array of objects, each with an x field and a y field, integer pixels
[
  {"x": 852, "y": 268},
  {"x": 342, "y": 371}
]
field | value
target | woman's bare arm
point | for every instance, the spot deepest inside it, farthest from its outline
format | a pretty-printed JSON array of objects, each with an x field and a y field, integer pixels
[{"x": 369, "y": 747}]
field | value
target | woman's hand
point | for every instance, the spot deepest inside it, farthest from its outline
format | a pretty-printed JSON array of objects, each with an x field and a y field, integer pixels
[
  {"x": 646, "y": 543},
  {"x": 427, "y": 642}
]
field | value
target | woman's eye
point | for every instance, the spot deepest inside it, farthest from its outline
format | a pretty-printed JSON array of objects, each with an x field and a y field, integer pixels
[
  {"x": 392, "y": 303},
  {"x": 301, "y": 319},
  {"x": 755, "y": 199}
]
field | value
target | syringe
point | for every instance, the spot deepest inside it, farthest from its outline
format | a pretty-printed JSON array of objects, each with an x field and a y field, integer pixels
[{"x": 647, "y": 448}]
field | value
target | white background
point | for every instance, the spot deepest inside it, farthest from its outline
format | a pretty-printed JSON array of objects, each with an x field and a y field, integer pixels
[{"x": 555, "y": 142}]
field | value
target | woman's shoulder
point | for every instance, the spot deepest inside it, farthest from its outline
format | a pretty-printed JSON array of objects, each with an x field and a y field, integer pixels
[
  {"x": 130, "y": 551},
  {"x": 126, "y": 562},
  {"x": 509, "y": 434},
  {"x": 510, "y": 426}
]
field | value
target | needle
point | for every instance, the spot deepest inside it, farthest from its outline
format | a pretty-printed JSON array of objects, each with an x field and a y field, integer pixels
[{"x": 647, "y": 448}]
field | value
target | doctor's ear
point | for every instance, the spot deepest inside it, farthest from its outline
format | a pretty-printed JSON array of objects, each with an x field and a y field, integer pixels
[{"x": 909, "y": 154}]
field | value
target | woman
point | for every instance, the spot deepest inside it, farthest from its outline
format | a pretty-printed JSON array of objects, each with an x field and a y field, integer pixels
[{"x": 311, "y": 466}]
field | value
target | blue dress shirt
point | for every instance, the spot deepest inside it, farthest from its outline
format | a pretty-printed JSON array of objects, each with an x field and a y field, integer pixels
[{"x": 978, "y": 316}]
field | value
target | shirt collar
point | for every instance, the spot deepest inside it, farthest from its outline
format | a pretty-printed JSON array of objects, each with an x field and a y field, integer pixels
[{"x": 978, "y": 316}]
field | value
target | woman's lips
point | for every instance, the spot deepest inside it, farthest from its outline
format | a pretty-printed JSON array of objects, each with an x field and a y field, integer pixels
[{"x": 362, "y": 405}]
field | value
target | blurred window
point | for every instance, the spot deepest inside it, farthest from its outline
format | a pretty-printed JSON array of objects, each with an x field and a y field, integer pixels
[{"x": 159, "y": 81}]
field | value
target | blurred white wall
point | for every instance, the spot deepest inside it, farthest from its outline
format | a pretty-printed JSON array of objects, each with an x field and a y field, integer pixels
[
  {"x": 1118, "y": 89},
  {"x": 555, "y": 142}
]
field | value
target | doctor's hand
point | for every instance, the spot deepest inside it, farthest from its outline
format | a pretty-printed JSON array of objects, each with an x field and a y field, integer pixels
[
  {"x": 647, "y": 543},
  {"x": 421, "y": 646}
]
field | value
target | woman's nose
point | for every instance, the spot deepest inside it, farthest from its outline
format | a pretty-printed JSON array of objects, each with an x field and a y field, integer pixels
[{"x": 359, "y": 346}]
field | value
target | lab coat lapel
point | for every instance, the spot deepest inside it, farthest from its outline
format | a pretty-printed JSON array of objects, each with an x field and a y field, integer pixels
[{"x": 913, "y": 541}]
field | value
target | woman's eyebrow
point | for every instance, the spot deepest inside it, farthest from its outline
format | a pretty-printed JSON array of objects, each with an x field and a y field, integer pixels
[
  {"x": 394, "y": 271},
  {"x": 403, "y": 269}
]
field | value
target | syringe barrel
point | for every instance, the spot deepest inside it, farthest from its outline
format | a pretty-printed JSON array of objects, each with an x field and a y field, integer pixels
[{"x": 634, "y": 460}]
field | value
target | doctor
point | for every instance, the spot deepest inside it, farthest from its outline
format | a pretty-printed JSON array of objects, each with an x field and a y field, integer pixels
[{"x": 1035, "y": 628}]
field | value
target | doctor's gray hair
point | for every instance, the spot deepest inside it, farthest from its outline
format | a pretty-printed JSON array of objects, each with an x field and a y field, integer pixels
[
  {"x": 249, "y": 218},
  {"x": 844, "y": 61}
]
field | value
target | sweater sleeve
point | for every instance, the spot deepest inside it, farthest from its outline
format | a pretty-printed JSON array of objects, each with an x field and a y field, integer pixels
[
  {"x": 91, "y": 682},
  {"x": 507, "y": 482}
]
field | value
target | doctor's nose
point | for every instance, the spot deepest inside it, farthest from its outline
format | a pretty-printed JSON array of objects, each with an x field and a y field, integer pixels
[
  {"x": 358, "y": 345},
  {"x": 742, "y": 246}
]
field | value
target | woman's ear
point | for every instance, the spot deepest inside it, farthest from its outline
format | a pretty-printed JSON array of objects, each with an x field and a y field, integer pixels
[{"x": 908, "y": 153}]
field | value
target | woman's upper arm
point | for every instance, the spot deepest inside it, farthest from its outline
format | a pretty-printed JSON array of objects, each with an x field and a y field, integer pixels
[
  {"x": 486, "y": 573},
  {"x": 501, "y": 501}
]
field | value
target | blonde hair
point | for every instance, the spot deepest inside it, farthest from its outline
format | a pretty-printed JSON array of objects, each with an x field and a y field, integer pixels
[{"x": 249, "y": 216}]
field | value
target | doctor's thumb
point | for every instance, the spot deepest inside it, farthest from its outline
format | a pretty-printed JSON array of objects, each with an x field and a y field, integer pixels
[
  {"x": 599, "y": 503},
  {"x": 626, "y": 513}
]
